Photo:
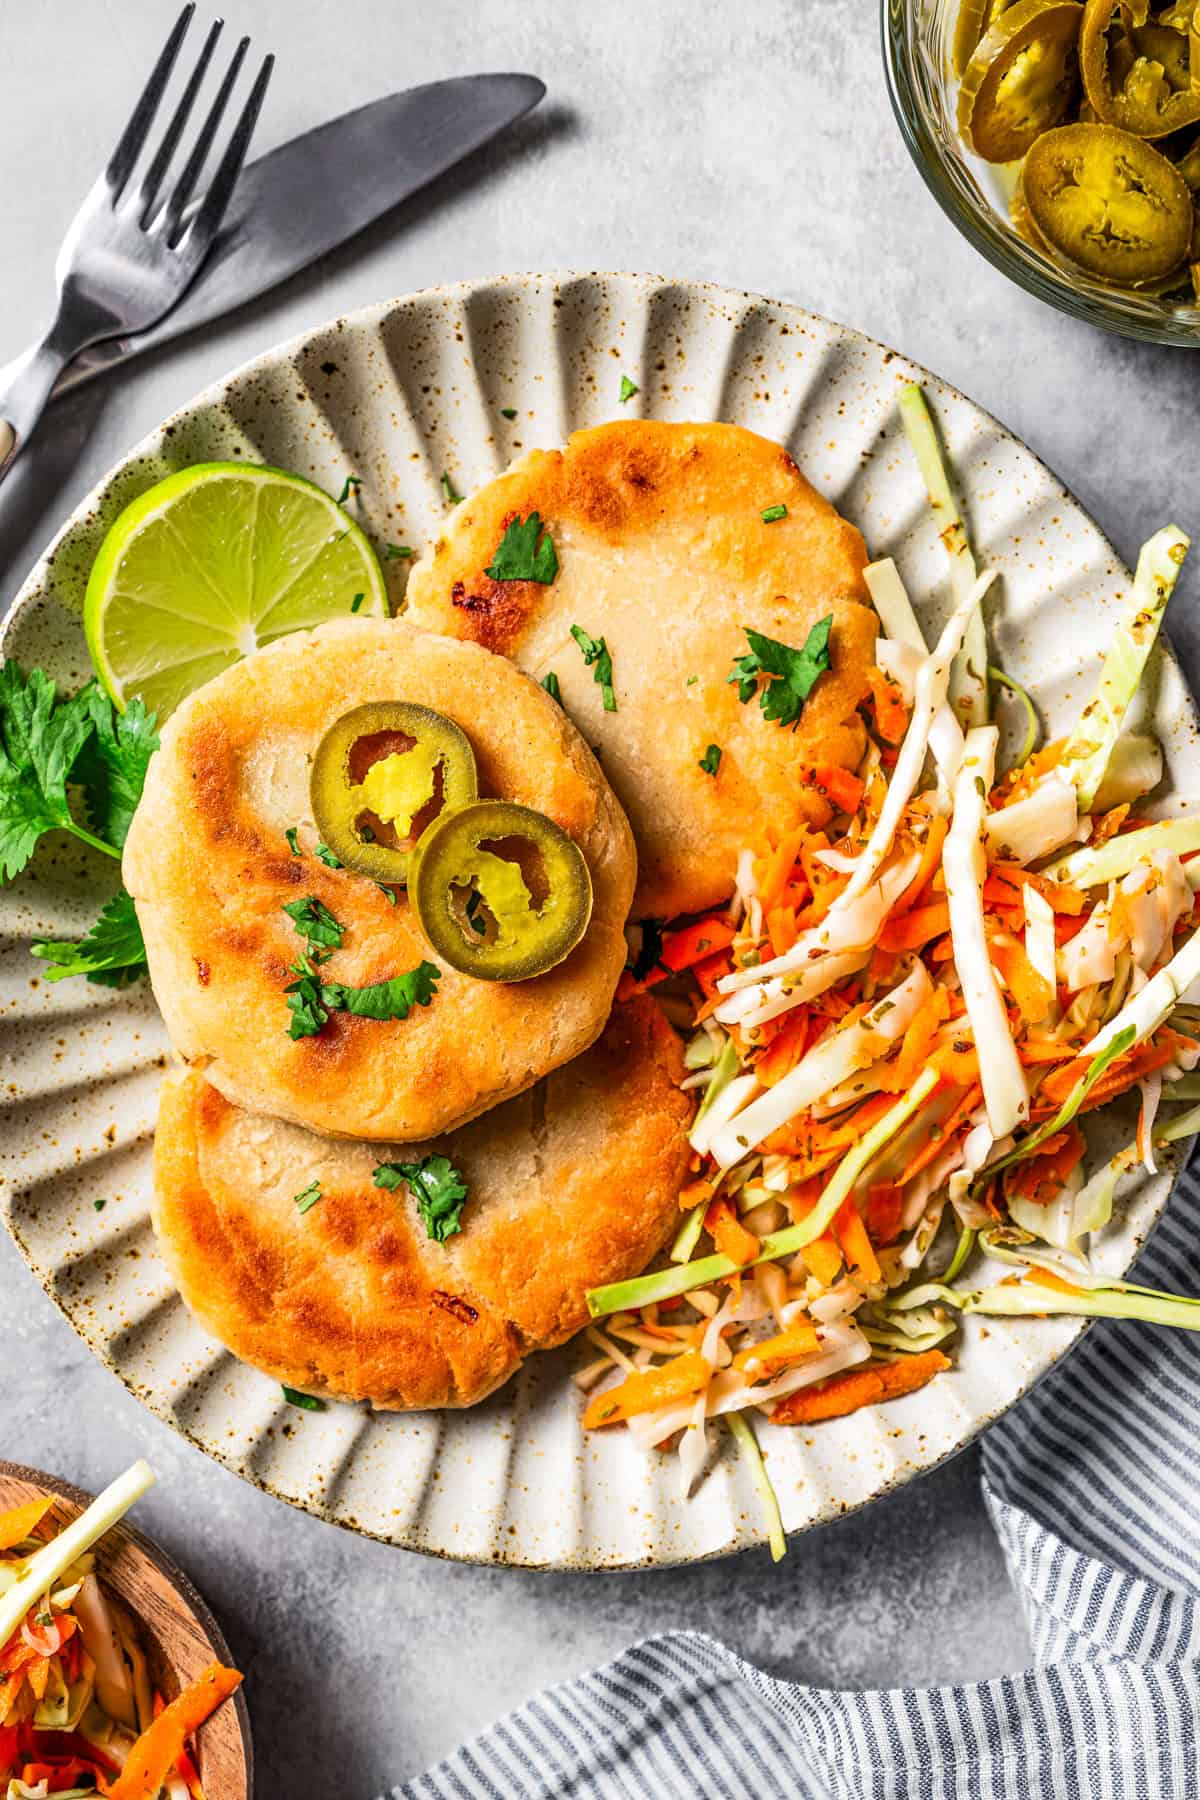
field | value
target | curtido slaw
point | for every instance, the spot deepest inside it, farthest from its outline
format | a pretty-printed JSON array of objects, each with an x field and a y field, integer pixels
[
  {"x": 79, "y": 1714},
  {"x": 895, "y": 1028}
]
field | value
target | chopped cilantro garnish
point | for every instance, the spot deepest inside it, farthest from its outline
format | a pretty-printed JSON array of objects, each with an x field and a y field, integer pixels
[
  {"x": 508, "y": 412},
  {"x": 388, "y": 893},
  {"x": 111, "y": 954},
  {"x": 691, "y": 681},
  {"x": 628, "y": 389},
  {"x": 316, "y": 924},
  {"x": 99, "y": 1205},
  {"x": 520, "y": 557},
  {"x": 550, "y": 683},
  {"x": 597, "y": 658},
  {"x": 448, "y": 492},
  {"x": 350, "y": 486},
  {"x": 474, "y": 902},
  {"x": 771, "y": 513},
  {"x": 398, "y": 553},
  {"x": 324, "y": 854},
  {"x": 292, "y": 834},
  {"x": 307, "y": 1198},
  {"x": 357, "y": 602},
  {"x": 437, "y": 1187},
  {"x": 306, "y": 1402},
  {"x": 393, "y": 999},
  {"x": 792, "y": 673},
  {"x": 710, "y": 762}
]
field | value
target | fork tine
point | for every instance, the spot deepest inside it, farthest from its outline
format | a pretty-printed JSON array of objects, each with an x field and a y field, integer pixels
[
  {"x": 220, "y": 191},
  {"x": 129, "y": 145},
  {"x": 173, "y": 211},
  {"x": 174, "y": 131}
]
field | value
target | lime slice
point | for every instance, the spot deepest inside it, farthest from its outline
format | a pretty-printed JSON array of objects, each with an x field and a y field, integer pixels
[{"x": 212, "y": 563}]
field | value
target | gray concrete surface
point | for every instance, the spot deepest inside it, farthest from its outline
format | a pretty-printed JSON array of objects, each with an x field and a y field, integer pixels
[{"x": 747, "y": 145}]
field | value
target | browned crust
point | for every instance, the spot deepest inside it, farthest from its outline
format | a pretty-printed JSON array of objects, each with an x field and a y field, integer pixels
[
  {"x": 573, "y": 1184},
  {"x": 663, "y": 551},
  {"x": 210, "y": 870}
]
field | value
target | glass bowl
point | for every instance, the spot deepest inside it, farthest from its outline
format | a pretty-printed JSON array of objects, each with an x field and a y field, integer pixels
[{"x": 917, "y": 36}]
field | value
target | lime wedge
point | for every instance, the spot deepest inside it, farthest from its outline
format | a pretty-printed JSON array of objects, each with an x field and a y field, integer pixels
[{"x": 212, "y": 563}]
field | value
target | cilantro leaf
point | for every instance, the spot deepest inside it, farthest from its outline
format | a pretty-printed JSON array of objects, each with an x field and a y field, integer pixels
[
  {"x": 292, "y": 834},
  {"x": 324, "y": 854},
  {"x": 111, "y": 954},
  {"x": 308, "y": 1000},
  {"x": 112, "y": 764},
  {"x": 628, "y": 389},
  {"x": 437, "y": 1187},
  {"x": 596, "y": 656},
  {"x": 793, "y": 673},
  {"x": 315, "y": 923},
  {"x": 770, "y": 514},
  {"x": 710, "y": 762},
  {"x": 508, "y": 412},
  {"x": 550, "y": 683},
  {"x": 357, "y": 602},
  {"x": 520, "y": 557},
  {"x": 398, "y": 553},
  {"x": 449, "y": 493},
  {"x": 306, "y": 1402},
  {"x": 40, "y": 739},
  {"x": 392, "y": 999},
  {"x": 307, "y": 1198},
  {"x": 350, "y": 486}
]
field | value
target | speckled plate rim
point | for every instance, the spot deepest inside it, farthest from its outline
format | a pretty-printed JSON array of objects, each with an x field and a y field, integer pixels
[{"x": 214, "y": 394}]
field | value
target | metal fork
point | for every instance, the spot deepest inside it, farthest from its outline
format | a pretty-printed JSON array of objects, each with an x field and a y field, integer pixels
[{"x": 126, "y": 260}]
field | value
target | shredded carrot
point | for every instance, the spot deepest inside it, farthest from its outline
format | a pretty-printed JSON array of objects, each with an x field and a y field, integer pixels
[
  {"x": 781, "y": 929},
  {"x": 914, "y": 929},
  {"x": 840, "y": 785},
  {"x": 1142, "y": 1060},
  {"x": 20, "y": 1522},
  {"x": 1060, "y": 895},
  {"x": 885, "y": 1211},
  {"x": 771, "y": 875},
  {"x": 1032, "y": 992},
  {"x": 1040, "y": 1178},
  {"x": 1107, "y": 825},
  {"x": 155, "y": 1753},
  {"x": 729, "y": 1234},
  {"x": 936, "y": 1143},
  {"x": 851, "y": 1234},
  {"x": 957, "y": 1061},
  {"x": 1034, "y": 1050},
  {"x": 1048, "y": 1279},
  {"x": 648, "y": 1389},
  {"x": 823, "y": 1257},
  {"x": 693, "y": 1192},
  {"x": 847, "y": 1392},
  {"x": 891, "y": 714},
  {"x": 931, "y": 862},
  {"x": 1019, "y": 782},
  {"x": 786, "y": 1048},
  {"x": 943, "y": 950},
  {"x": 917, "y": 1042},
  {"x": 773, "y": 1354}
]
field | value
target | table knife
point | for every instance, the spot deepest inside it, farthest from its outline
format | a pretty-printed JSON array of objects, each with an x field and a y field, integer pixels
[{"x": 313, "y": 193}]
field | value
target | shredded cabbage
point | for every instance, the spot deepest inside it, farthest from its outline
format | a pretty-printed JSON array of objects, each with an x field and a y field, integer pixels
[{"x": 1094, "y": 868}]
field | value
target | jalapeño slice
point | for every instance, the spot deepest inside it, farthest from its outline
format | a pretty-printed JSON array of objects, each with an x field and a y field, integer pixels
[
  {"x": 1022, "y": 78},
  {"x": 1136, "y": 79},
  {"x": 1109, "y": 203},
  {"x": 500, "y": 891},
  {"x": 379, "y": 776}
]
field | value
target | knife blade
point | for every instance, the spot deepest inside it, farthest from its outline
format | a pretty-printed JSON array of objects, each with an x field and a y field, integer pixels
[{"x": 316, "y": 191}]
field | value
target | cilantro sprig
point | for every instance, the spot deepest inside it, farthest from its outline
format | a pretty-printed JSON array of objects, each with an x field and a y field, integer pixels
[
  {"x": 311, "y": 998},
  {"x": 710, "y": 762},
  {"x": 525, "y": 553},
  {"x": 111, "y": 953},
  {"x": 437, "y": 1187},
  {"x": 49, "y": 742},
  {"x": 596, "y": 655},
  {"x": 790, "y": 674}
]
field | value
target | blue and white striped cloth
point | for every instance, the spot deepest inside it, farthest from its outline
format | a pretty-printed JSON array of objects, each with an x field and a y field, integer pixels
[{"x": 1107, "y": 1448}]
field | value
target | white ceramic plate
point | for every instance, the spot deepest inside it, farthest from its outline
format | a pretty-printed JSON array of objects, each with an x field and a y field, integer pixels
[{"x": 397, "y": 395}]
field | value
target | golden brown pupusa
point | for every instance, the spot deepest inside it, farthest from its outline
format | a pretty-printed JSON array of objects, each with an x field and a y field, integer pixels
[
  {"x": 573, "y": 1184},
  {"x": 664, "y": 553},
  {"x": 208, "y": 864}
]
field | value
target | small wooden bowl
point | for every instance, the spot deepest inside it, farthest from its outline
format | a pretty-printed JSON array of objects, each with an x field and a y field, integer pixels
[{"x": 179, "y": 1633}]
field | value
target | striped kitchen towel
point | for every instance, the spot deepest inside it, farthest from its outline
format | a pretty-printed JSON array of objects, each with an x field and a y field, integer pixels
[{"x": 1093, "y": 1485}]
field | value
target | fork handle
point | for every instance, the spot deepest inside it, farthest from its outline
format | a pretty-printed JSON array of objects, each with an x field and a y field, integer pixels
[{"x": 24, "y": 389}]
